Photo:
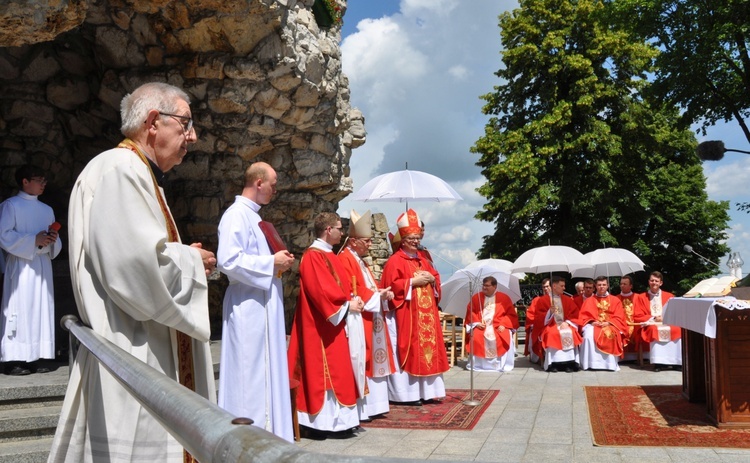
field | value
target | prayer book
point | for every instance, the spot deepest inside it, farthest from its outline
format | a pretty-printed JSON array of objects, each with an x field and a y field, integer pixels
[
  {"x": 712, "y": 287},
  {"x": 272, "y": 236}
]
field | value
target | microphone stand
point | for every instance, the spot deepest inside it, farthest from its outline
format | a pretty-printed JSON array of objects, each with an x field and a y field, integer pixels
[{"x": 472, "y": 402}]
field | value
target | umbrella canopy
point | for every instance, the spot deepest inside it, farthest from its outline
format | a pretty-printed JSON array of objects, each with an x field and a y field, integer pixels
[
  {"x": 612, "y": 262},
  {"x": 546, "y": 259},
  {"x": 404, "y": 186},
  {"x": 499, "y": 264},
  {"x": 458, "y": 289}
]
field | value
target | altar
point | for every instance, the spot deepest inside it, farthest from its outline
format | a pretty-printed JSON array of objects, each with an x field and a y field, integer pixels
[{"x": 715, "y": 355}]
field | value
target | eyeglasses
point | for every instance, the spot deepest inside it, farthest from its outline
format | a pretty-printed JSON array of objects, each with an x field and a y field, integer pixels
[
  {"x": 187, "y": 127},
  {"x": 365, "y": 240},
  {"x": 412, "y": 238},
  {"x": 41, "y": 180},
  {"x": 336, "y": 228}
]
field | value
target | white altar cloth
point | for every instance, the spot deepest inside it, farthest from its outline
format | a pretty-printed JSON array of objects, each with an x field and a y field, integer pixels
[{"x": 698, "y": 314}]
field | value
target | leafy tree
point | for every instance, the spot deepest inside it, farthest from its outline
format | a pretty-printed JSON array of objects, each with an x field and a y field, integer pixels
[
  {"x": 574, "y": 155},
  {"x": 705, "y": 64}
]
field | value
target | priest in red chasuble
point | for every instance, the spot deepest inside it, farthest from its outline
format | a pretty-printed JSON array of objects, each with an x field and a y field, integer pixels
[
  {"x": 534, "y": 324},
  {"x": 318, "y": 349},
  {"x": 559, "y": 338},
  {"x": 665, "y": 343},
  {"x": 374, "y": 362},
  {"x": 420, "y": 349},
  {"x": 604, "y": 327},
  {"x": 632, "y": 336},
  {"x": 491, "y": 320}
]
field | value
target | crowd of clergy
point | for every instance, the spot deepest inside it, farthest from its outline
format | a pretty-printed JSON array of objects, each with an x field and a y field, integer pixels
[{"x": 595, "y": 330}]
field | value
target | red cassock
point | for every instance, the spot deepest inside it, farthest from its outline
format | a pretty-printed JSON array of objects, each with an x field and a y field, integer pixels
[
  {"x": 319, "y": 351},
  {"x": 370, "y": 319},
  {"x": 650, "y": 333},
  {"x": 505, "y": 315},
  {"x": 605, "y": 309},
  {"x": 421, "y": 351},
  {"x": 632, "y": 334},
  {"x": 549, "y": 333}
]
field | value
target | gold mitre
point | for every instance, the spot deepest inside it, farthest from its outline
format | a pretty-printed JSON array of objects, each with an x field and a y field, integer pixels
[{"x": 360, "y": 226}]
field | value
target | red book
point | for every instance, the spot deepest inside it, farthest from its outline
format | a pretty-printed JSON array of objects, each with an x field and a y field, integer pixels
[{"x": 272, "y": 236}]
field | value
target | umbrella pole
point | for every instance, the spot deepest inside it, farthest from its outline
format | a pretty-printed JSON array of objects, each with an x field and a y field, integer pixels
[{"x": 471, "y": 401}]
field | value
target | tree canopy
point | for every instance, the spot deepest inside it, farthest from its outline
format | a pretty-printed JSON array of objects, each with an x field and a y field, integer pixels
[{"x": 575, "y": 153}]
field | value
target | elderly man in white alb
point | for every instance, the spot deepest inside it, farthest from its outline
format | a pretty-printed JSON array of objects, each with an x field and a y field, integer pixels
[{"x": 135, "y": 284}]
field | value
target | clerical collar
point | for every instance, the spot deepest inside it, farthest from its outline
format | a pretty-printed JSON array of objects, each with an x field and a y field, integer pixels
[
  {"x": 653, "y": 295},
  {"x": 158, "y": 174},
  {"x": 605, "y": 294},
  {"x": 413, "y": 256},
  {"x": 322, "y": 245},
  {"x": 626, "y": 294},
  {"x": 25, "y": 195}
]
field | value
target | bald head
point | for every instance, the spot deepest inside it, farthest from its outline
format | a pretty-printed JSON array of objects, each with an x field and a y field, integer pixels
[{"x": 260, "y": 183}]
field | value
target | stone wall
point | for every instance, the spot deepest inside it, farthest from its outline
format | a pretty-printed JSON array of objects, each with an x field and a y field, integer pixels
[{"x": 265, "y": 82}]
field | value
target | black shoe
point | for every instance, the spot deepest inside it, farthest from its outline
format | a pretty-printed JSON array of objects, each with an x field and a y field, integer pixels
[
  {"x": 42, "y": 370},
  {"x": 677, "y": 367},
  {"x": 551, "y": 369},
  {"x": 658, "y": 367},
  {"x": 19, "y": 371},
  {"x": 313, "y": 434},
  {"x": 569, "y": 369}
]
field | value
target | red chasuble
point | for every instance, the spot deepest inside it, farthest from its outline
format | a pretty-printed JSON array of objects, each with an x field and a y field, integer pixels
[
  {"x": 421, "y": 351},
  {"x": 372, "y": 321},
  {"x": 605, "y": 309},
  {"x": 630, "y": 343},
  {"x": 650, "y": 333},
  {"x": 505, "y": 315},
  {"x": 319, "y": 351},
  {"x": 549, "y": 333}
]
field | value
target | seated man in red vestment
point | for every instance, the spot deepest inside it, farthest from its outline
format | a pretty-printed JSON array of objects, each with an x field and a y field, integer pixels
[
  {"x": 318, "y": 347},
  {"x": 415, "y": 283},
  {"x": 559, "y": 336},
  {"x": 491, "y": 319},
  {"x": 533, "y": 330},
  {"x": 665, "y": 343},
  {"x": 632, "y": 335},
  {"x": 603, "y": 322},
  {"x": 588, "y": 291}
]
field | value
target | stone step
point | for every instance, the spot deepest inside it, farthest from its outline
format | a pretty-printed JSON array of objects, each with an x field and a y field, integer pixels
[
  {"x": 29, "y": 423},
  {"x": 27, "y": 451}
]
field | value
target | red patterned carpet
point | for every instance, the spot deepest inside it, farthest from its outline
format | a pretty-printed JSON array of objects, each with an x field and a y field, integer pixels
[
  {"x": 654, "y": 416},
  {"x": 450, "y": 413}
]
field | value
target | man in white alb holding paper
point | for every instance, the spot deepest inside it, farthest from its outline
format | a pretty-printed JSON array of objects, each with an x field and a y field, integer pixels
[{"x": 254, "y": 381}]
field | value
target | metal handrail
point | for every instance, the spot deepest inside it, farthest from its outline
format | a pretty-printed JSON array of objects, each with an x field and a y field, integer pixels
[{"x": 208, "y": 432}]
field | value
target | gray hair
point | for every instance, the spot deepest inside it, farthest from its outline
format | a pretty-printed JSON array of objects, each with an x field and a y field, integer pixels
[{"x": 135, "y": 106}]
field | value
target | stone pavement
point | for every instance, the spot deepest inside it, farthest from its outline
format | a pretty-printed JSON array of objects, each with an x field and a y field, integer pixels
[{"x": 536, "y": 417}]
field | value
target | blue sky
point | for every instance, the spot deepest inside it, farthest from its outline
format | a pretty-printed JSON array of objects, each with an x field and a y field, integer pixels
[{"x": 416, "y": 69}]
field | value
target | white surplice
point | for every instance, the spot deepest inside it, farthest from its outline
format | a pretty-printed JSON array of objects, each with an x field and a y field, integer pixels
[
  {"x": 254, "y": 378},
  {"x": 134, "y": 288},
  {"x": 28, "y": 304}
]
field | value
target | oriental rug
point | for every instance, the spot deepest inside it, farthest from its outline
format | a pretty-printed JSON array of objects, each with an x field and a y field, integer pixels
[
  {"x": 654, "y": 416},
  {"x": 449, "y": 413}
]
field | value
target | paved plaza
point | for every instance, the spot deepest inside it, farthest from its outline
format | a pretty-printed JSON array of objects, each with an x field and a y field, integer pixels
[{"x": 536, "y": 417}]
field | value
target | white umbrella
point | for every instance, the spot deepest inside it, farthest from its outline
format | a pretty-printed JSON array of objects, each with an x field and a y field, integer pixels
[
  {"x": 499, "y": 264},
  {"x": 546, "y": 259},
  {"x": 612, "y": 262},
  {"x": 457, "y": 291},
  {"x": 404, "y": 186}
]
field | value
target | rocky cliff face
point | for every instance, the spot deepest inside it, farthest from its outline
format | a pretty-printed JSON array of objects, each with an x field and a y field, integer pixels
[{"x": 265, "y": 82}]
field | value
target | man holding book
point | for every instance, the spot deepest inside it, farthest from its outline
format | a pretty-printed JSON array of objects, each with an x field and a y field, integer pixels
[
  {"x": 665, "y": 344},
  {"x": 254, "y": 380}
]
